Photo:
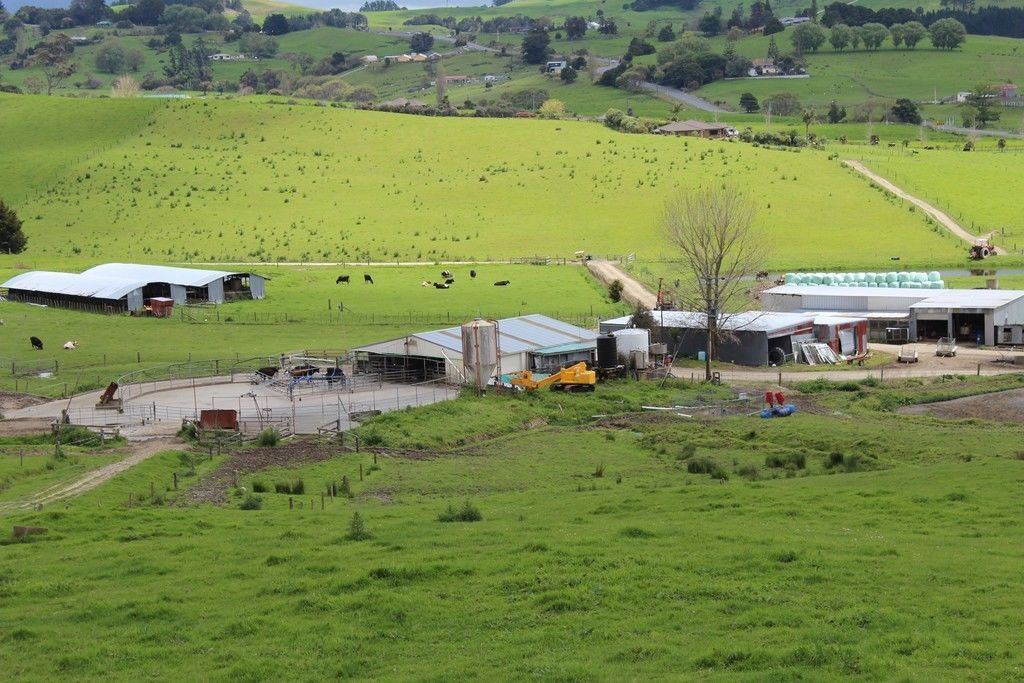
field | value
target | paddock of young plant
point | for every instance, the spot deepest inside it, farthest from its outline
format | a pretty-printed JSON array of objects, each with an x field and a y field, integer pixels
[{"x": 814, "y": 546}]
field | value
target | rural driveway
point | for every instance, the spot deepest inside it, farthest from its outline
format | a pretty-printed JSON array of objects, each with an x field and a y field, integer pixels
[
  {"x": 137, "y": 452},
  {"x": 632, "y": 290},
  {"x": 960, "y": 130},
  {"x": 684, "y": 97},
  {"x": 937, "y": 215}
]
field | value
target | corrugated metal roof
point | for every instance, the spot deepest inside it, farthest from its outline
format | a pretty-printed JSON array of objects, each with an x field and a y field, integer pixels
[
  {"x": 923, "y": 298},
  {"x": 515, "y": 335},
  {"x": 73, "y": 284},
  {"x": 565, "y": 348},
  {"x": 187, "y": 277},
  {"x": 748, "y": 321}
]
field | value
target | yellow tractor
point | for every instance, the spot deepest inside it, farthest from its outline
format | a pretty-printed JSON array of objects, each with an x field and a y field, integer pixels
[{"x": 573, "y": 378}]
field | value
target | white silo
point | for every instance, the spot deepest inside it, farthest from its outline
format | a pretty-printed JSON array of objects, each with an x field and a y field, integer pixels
[
  {"x": 633, "y": 339},
  {"x": 480, "y": 352}
]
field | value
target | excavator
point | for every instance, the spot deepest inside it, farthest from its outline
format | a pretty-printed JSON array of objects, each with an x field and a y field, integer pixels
[{"x": 573, "y": 378}]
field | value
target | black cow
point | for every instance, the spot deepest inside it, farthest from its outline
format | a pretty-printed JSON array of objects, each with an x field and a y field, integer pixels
[
  {"x": 446, "y": 273},
  {"x": 334, "y": 375},
  {"x": 37, "y": 343},
  {"x": 266, "y": 373},
  {"x": 502, "y": 283},
  {"x": 450, "y": 281},
  {"x": 342, "y": 279},
  {"x": 367, "y": 279},
  {"x": 439, "y": 285},
  {"x": 762, "y": 275},
  {"x": 472, "y": 273}
]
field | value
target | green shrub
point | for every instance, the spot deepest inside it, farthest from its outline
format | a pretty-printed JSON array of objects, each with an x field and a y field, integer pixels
[
  {"x": 259, "y": 486},
  {"x": 797, "y": 460},
  {"x": 357, "y": 529},
  {"x": 297, "y": 487},
  {"x": 269, "y": 437},
  {"x": 467, "y": 513},
  {"x": 251, "y": 502},
  {"x": 188, "y": 431}
]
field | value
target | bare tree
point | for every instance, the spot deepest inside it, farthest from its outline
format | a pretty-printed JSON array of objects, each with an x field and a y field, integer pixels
[
  {"x": 125, "y": 86},
  {"x": 440, "y": 83},
  {"x": 54, "y": 57},
  {"x": 712, "y": 228}
]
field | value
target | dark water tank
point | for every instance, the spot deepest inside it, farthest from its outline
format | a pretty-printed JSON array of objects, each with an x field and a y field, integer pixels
[{"x": 607, "y": 352}]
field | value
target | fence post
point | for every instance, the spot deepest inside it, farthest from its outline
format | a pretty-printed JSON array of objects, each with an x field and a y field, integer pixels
[{"x": 175, "y": 481}]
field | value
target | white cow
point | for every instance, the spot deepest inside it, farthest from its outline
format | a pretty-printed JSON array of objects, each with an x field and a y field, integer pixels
[{"x": 70, "y": 345}]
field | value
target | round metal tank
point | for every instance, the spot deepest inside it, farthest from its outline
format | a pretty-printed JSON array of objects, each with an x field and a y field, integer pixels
[
  {"x": 607, "y": 355},
  {"x": 628, "y": 341},
  {"x": 479, "y": 351}
]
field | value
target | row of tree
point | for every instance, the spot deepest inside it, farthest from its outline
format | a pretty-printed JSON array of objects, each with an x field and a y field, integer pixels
[{"x": 945, "y": 34}]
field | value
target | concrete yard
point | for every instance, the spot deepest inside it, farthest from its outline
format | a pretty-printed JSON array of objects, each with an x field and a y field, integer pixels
[{"x": 159, "y": 410}]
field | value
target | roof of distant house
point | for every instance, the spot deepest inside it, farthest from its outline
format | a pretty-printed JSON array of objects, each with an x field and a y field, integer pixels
[{"x": 691, "y": 126}]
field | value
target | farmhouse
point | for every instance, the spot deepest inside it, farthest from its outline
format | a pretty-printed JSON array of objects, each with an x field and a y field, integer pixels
[
  {"x": 764, "y": 66},
  {"x": 695, "y": 128},
  {"x": 988, "y": 316},
  {"x": 120, "y": 287},
  {"x": 527, "y": 342}
]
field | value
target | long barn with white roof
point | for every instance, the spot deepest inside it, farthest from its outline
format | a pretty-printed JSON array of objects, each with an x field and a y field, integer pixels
[{"x": 128, "y": 287}]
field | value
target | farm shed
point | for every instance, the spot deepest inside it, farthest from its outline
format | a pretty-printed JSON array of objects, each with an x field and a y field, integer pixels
[
  {"x": 845, "y": 335},
  {"x": 758, "y": 337},
  {"x": 526, "y": 342},
  {"x": 118, "y": 287},
  {"x": 989, "y": 316},
  {"x": 695, "y": 128}
]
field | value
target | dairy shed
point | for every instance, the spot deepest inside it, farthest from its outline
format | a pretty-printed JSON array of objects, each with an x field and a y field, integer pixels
[{"x": 527, "y": 342}]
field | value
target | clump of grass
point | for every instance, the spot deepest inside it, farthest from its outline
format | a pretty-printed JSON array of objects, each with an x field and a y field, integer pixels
[
  {"x": 706, "y": 466},
  {"x": 686, "y": 451},
  {"x": 785, "y": 556},
  {"x": 372, "y": 438},
  {"x": 357, "y": 530},
  {"x": 837, "y": 461},
  {"x": 598, "y": 471},
  {"x": 259, "y": 486},
  {"x": 467, "y": 513},
  {"x": 188, "y": 432},
  {"x": 269, "y": 437},
  {"x": 636, "y": 532},
  {"x": 296, "y": 488},
  {"x": 797, "y": 460},
  {"x": 251, "y": 502},
  {"x": 749, "y": 472}
]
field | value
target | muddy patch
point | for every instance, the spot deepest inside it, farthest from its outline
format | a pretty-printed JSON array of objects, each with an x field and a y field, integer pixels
[{"x": 1000, "y": 406}]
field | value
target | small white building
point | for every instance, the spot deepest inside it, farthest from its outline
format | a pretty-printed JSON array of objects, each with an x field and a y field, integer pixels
[{"x": 555, "y": 66}]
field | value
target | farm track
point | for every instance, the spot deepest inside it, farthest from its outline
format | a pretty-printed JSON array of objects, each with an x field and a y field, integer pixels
[
  {"x": 940, "y": 216},
  {"x": 138, "y": 452},
  {"x": 633, "y": 290}
]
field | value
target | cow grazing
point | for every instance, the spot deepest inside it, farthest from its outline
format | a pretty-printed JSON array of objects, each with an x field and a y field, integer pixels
[
  {"x": 342, "y": 279},
  {"x": 367, "y": 279},
  {"x": 266, "y": 373},
  {"x": 472, "y": 273},
  {"x": 70, "y": 345},
  {"x": 37, "y": 343},
  {"x": 439, "y": 285},
  {"x": 502, "y": 283},
  {"x": 449, "y": 281}
]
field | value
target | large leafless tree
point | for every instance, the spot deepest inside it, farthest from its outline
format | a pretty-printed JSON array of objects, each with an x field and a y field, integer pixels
[{"x": 712, "y": 227}]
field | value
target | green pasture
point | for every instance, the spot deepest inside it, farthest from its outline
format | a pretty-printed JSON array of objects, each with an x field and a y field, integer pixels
[
  {"x": 978, "y": 190},
  {"x": 819, "y": 547},
  {"x": 886, "y": 74},
  {"x": 304, "y": 309},
  {"x": 238, "y": 181}
]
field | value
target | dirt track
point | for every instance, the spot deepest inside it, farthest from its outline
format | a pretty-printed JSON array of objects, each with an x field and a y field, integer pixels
[
  {"x": 137, "y": 453},
  {"x": 943, "y": 218},
  {"x": 1000, "y": 406},
  {"x": 632, "y": 290}
]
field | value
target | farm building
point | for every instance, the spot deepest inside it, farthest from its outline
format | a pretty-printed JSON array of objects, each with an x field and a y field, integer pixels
[
  {"x": 120, "y": 287},
  {"x": 989, "y": 316},
  {"x": 528, "y": 342},
  {"x": 693, "y": 128},
  {"x": 758, "y": 337}
]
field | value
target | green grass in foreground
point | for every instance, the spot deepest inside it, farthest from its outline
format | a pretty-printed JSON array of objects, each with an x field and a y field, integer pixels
[{"x": 873, "y": 547}]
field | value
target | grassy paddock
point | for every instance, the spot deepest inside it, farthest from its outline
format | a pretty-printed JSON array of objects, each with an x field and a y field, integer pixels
[{"x": 593, "y": 541}]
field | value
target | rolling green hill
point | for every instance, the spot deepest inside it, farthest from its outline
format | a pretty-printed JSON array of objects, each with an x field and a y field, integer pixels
[{"x": 257, "y": 181}]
